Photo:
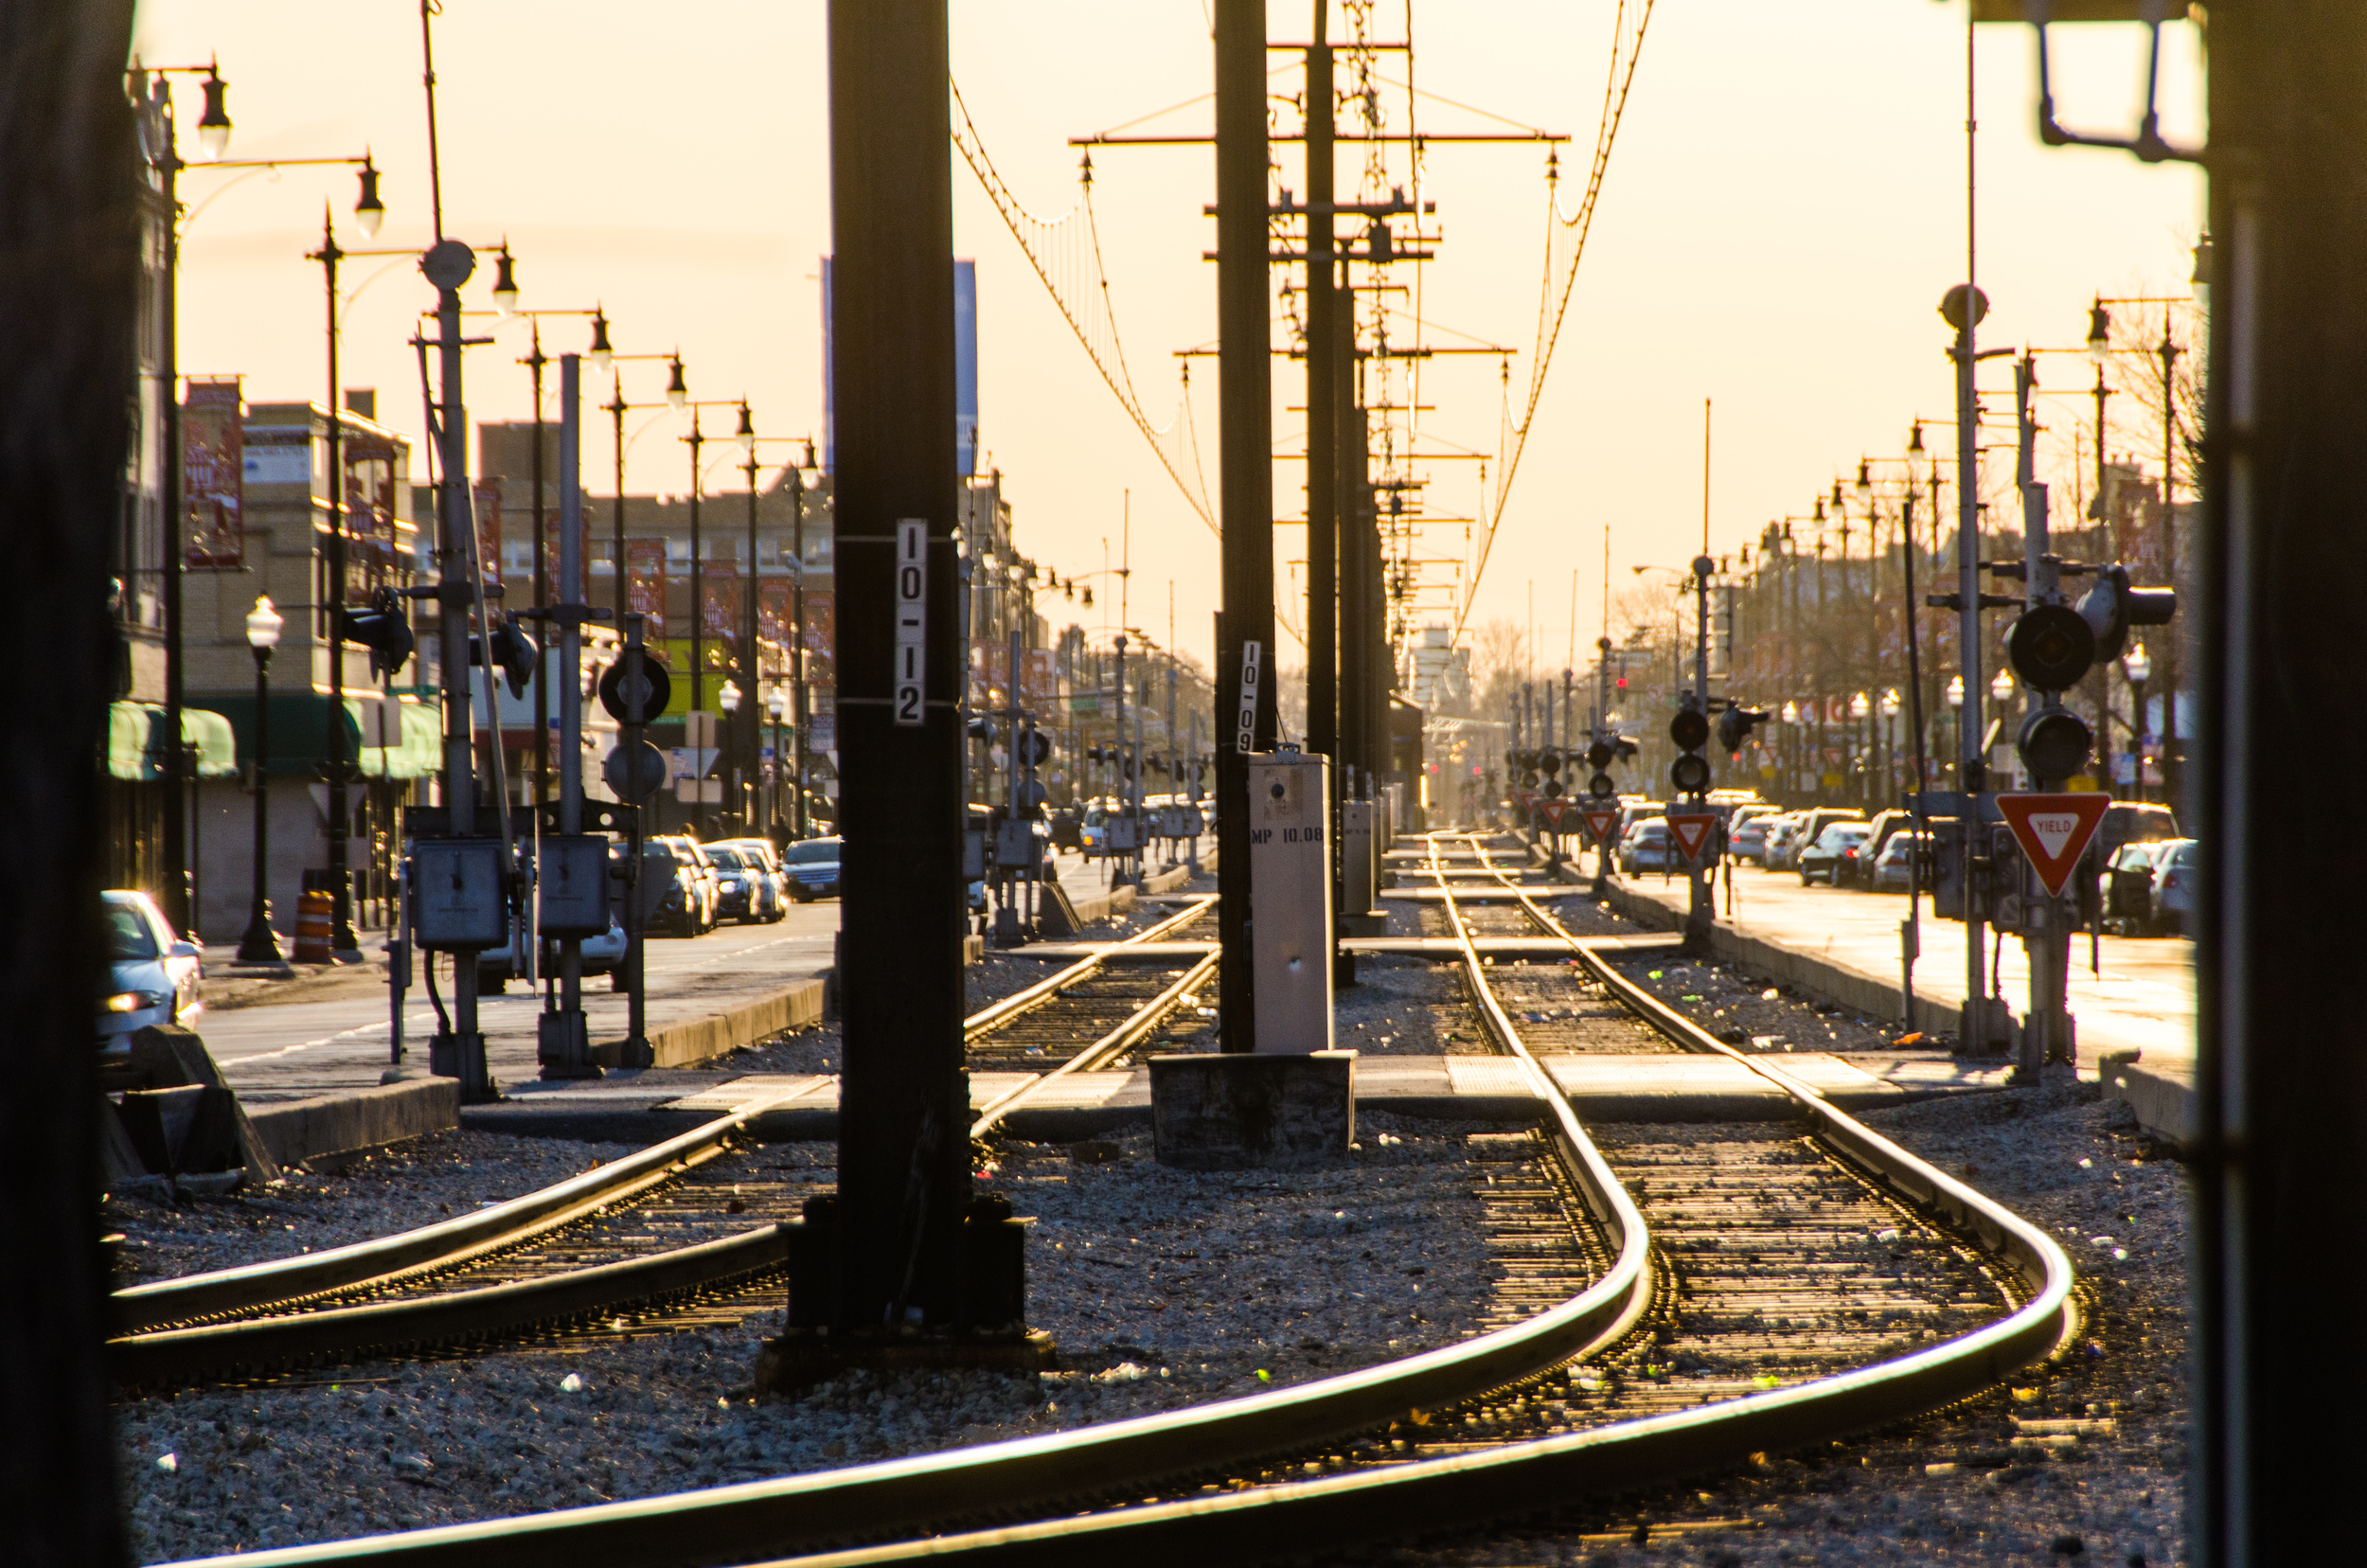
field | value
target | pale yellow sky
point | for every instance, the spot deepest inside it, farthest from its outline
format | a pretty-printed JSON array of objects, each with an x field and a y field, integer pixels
[{"x": 1784, "y": 209}]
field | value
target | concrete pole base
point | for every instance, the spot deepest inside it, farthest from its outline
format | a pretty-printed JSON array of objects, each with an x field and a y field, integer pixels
[{"x": 1248, "y": 1112}]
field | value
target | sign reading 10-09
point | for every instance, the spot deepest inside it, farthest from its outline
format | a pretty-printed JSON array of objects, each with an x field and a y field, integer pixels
[{"x": 912, "y": 607}]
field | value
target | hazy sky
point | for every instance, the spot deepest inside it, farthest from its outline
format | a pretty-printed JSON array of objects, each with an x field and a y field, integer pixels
[{"x": 1784, "y": 208}]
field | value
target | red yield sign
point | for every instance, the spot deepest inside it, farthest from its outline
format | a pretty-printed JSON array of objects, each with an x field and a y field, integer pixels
[
  {"x": 2053, "y": 830},
  {"x": 1552, "y": 810},
  {"x": 1691, "y": 830},
  {"x": 1600, "y": 820}
]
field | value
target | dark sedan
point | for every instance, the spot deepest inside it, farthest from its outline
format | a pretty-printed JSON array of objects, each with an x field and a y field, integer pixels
[{"x": 812, "y": 868}]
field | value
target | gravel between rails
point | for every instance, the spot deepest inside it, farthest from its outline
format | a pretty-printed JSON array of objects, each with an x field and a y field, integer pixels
[
  {"x": 412, "y": 1184},
  {"x": 1160, "y": 1287}
]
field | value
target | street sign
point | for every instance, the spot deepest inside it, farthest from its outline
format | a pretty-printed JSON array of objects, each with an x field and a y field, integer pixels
[
  {"x": 2053, "y": 830},
  {"x": 1600, "y": 820},
  {"x": 656, "y": 691},
  {"x": 1691, "y": 830},
  {"x": 1552, "y": 810},
  {"x": 910, "y": 702}
]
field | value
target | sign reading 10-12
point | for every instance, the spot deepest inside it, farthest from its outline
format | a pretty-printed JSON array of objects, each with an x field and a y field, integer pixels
[{"x": 912, "y": 608}]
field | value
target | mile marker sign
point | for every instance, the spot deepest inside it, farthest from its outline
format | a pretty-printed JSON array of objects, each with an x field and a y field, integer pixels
[
  {"x": 1599, "y": 821},
  {"x": 1691, "y": 830},
  {"x": 2053, "y": 830}
]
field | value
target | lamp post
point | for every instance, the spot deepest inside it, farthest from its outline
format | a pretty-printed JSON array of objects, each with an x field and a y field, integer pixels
[
  {"x": 1956, "y": 707},
  {"x": 728, "y": 698},
  {"x": 1890, "y": 706},
  {"x": 161, "y": 144},
  {"x": 777, "y": 704},
  {"x": 1859, "y": 709},
  {"x": 2137, "y": 666},
  {"x": 260, "y": 945}
]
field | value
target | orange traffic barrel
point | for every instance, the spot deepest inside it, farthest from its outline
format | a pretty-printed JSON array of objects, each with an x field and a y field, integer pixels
[{"x": 315, "y": 914}]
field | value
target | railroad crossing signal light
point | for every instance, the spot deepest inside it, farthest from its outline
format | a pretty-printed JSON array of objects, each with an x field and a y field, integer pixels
[
  {"x": 1039, "y": 747},
  {"x": 1735, "y": 725},
  {"x": 1549, "y": 760},
  {"x": 2111, "y": 607},
  {"x": 1689, "y": 729},
  {"x": 514, "y": 656},
  {"x": 2054, "y": 744},
  {"x": 1690, "y": 773},
  {"x": 2051, "y": 647},
  {"x": 383, "y": 629},
  {"x": 1600, "y": 787},
  {"x": 1601, "y": 754}
]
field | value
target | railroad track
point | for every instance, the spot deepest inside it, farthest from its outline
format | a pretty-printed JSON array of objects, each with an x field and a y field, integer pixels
[
  {"x": 691, "y": 1229},
  {"x": 1647, "y": 1373}
]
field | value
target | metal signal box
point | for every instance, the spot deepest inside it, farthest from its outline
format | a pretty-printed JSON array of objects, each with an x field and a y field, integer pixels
[
  {"x": 1289, "y": 878},
  {"x": 1357, "y": 882},
  {"x": 571, "y": 885},
  {"x": 458, "y": 903}
]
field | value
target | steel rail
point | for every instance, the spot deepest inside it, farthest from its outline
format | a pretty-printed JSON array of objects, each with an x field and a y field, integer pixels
[
  {"x": 452, "y": 1316},
  {"x": 1390, "y": 1504},
  {"x": 1109, "y": 1046},
  {"x": 761, "y": 1519},
  {"x": 995, "y": 1015},
  {"x": 383, "y": 1259}
]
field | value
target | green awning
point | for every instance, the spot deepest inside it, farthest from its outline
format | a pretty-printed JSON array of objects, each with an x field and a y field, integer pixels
[
  {"x": 419, "y": 752},
  {"x": 136, "y": 734},
  {"x": 300, "y": 735}
]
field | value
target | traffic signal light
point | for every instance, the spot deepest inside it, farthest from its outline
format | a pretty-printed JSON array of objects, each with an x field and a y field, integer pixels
[
  {"x": 383, "y": 629},
  {"x": 514, "y": 654},
  {"x": 1734, "y": 726},
  {"x": 2111, "y": 607},
  {"x": 1690, "y": 730},
  {"x": 2054, "y": 743},
  {"x": 1039, "y": 747},
  {"x": 2051, "y": 647}
]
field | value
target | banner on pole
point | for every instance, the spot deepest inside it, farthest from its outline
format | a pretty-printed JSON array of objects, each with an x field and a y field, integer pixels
[
  {"x": 213, "y": 531},
  {"x": 644, "y": 583}
]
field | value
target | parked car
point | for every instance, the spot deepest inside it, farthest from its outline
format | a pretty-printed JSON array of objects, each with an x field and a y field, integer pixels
[
  {"x": 2129, "y": 885},
  {"x": 1647, "y": 844},
  {"x": 1832, "y": 856},
  {"x": 812, "y": 865},
  {"x": 152, "y": 972},
  {"x": 497, "y": 966},
  {"x": 1066, "y": 826},
  {"x": 2173, "y": 870},
  {"x": 748, "y": 884},
  {"x": 1885, "y": 824},
  {"x": 1749, "y": 841},
  {"x": 1893, "y": 864},
  {"x": 1781, "y": 850},
  {"x": 687, "y": 906}
]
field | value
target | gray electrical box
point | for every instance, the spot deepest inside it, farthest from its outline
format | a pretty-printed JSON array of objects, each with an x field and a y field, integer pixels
[
  {"x": 1014, "y": 844},
  {"x": 572, "y": 889},
  {"x": 457, "y": 895},
  {"x": 1290, "y": 878},
  {"x": 1121, "y": 832},
  {"x": 1357, "y": 884}
]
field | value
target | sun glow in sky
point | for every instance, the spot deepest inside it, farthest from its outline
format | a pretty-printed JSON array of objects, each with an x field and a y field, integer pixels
[{"x": 1785, "y": 206}]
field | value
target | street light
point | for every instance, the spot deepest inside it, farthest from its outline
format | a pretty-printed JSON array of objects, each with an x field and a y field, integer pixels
[
  {"x": 2137, "y": 666},
  {"x": 600, "y": 355},
  {"x": 506, "y": 283},
  {"x": 2099, "y": 333},
  {"x": 369, "y": 213},
  {"x": 260, "y": 945},
  {"x": 213, "y": 127},
  {"x": 2003, "y": 687},
  {"x": 677, "y": 395}
]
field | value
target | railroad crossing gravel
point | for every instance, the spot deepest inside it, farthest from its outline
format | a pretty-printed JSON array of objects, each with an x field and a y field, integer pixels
[{"x": 1160, "y": 1287}]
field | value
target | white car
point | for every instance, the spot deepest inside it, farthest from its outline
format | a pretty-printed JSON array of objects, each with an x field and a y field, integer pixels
[{"x": 152, "y": 973}]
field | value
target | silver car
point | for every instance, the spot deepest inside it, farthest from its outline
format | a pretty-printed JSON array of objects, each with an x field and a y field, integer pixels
[{"x": 152, "y": 973}]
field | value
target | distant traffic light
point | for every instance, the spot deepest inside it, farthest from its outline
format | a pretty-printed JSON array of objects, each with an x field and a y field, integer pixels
[
  {"x": 514, "y": 654},
  {"x": 1735, "y": 725},
  {"x": 383, "y": 629},
  {"x": 1690, "y": 730},
  {"x": 2112, "y": 606}
]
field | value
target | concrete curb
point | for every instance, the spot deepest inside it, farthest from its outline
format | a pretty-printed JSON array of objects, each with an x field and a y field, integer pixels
[
  {"x": 697, "y": 1040},
  {"x": 332, "y": 1125},
  {"x": 2162, "y": 1097}
]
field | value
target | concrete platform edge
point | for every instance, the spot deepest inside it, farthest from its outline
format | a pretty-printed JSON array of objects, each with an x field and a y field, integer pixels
[
  {"x": 697, "y": 1040},
  {"x": 328, "y": 1126}
]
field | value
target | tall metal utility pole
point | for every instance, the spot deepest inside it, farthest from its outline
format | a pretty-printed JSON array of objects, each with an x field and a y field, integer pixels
[
  {"x": 1245, "y": 720},
  {"x": 343, "y": 940},
  {"x": 1964, "y": 309},
  {"x": 1323, "y": 494},
  {"x": 904, "y": 1162},
  {"x": 2280, "y": 1249}
]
